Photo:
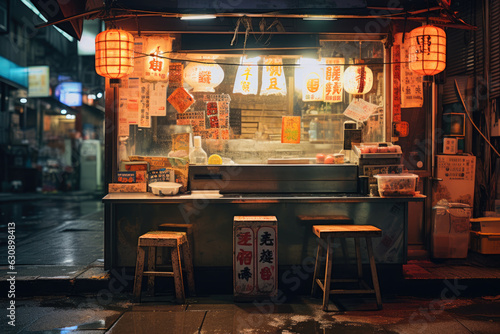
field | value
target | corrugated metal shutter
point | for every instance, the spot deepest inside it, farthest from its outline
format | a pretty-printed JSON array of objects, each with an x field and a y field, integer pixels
[
  {"x": 450, "y": 94},
  {"x": 495, "y": 48},
  {"x": 465, "y": 51}
]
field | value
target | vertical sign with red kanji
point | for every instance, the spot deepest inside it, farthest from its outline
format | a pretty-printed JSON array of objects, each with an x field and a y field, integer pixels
[
  {"x": 244, "y": 272},
  {"x": 396, "y": 86},
  {"x": 255, "y": 259},
  {"x": 334, "y": 76},
  {"x": 266, "y": 263}
]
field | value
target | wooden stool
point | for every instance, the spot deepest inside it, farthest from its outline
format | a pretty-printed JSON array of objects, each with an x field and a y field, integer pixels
[
  {"x": 174, "y": 241},
  {"x": 325, "y": 220},
  {"x": 329, "y": 232}
]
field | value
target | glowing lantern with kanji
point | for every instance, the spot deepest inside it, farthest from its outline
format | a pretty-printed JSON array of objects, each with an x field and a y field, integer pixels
[
  {"x": 358, "y": 79},
  {"x": 246, "y": 81},
  {"x": 156, "y": 64},
  {"x": 114, "y": 53},
  {"x": 203, "y": 77},
  {"x": 427, "y": 50},
  {"x": 273, "y": 77},
  {"x": 311, "y": 76}
]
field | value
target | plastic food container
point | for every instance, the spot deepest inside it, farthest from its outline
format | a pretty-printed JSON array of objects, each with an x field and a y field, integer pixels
[
  {"x": 165, "y": 188},
  {"x": 396, "y": 184}
]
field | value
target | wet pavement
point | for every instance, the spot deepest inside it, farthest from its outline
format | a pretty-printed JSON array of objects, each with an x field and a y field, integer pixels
[
  {"x": 218, "y": 314},
  {"x": 62, "y": 287}
]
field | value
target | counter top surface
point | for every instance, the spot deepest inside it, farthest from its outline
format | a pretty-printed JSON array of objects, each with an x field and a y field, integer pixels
[{"x": 215, "y": 197}]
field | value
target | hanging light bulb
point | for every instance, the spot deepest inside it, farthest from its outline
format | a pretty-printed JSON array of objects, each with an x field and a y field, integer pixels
[
  {"x": 427, "y": 50},
  {"x": 114, "y": 53},
  {"x": 358, "y": 79}
]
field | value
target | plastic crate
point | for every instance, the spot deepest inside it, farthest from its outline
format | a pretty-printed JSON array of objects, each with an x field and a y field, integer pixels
[
  {"x": 485, "y": 243},
  {"x": 390, "y": 185}
]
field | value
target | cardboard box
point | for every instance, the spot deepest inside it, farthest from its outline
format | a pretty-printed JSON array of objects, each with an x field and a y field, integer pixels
[
  {"x": 134, "y": 165},
  {"x": 141, "y": 176},
  {"x": 179, "y": 165},
  {"x": 127, "y": 187},
  {"x": 125, "y": 177}
]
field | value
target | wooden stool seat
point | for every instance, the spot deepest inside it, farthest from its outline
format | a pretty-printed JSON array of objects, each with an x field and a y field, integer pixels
[
  {"x": 176, "y": 241},
  {"x": 328, "y": 233}
]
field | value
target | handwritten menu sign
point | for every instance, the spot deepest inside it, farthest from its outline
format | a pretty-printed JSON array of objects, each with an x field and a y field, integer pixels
[
  {"x": 144, "y": 100},
  {"x": 158, "y": 99},
  {"x": 176, "y": 73},
  {"x": 396, "y": 86},
  {"x": 290, "y": 129},
  {"x": 411, "y": 82},
  {"x": 359, "y": 110}
]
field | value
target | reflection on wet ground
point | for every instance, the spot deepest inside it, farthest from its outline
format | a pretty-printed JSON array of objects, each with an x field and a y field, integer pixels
[
  {"x": 218, "y": 314},
  {"x": 54, "y": 232}
]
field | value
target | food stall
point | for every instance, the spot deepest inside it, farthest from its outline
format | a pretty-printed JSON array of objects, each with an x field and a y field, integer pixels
[{"x": 277, "y": 123}]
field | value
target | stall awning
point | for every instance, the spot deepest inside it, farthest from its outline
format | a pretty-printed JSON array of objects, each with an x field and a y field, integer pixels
[{"x": 69, "y": 15}]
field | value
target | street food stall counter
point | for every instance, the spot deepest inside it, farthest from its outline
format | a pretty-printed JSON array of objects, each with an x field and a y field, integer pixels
[{"x": 211, "y": 213}]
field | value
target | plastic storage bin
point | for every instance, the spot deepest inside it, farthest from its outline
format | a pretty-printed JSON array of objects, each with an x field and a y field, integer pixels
[
  {"x": 485, "y": 235},
  {"x": 396, "y": 184},
  {"x": 450, "y": 230}
]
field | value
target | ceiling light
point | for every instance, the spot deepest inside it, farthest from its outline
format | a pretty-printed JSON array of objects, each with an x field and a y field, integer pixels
[
  {"x": 23, "y": 100},
  {"x": 197, "y": 17},
  {"x": 319, "y": 18},
  {"x": 64, "y": 111}
]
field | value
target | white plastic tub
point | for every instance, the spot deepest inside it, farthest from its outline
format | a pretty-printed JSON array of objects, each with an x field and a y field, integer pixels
[{"x": 165, "y": 188}]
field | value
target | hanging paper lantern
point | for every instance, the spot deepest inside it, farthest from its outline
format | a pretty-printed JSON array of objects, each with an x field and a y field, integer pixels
[
  {"x": 310, "y": 75},
  {"x": 358, "y": 79},
  {"x": 246, "y": 80},
  {"x": 427, "y": 50},
  {"x": 203, "y": 77},
  {"x": 273, "y": 77},
  {"x": 114, "y": 53},
  {"x": 157, "y": 65}
]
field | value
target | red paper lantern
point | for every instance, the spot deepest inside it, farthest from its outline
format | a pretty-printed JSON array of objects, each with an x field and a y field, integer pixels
[{"x": 114, "y": 53}]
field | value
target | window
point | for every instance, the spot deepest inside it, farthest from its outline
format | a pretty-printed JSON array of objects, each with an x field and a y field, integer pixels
[{"x": 252, "y": 133}]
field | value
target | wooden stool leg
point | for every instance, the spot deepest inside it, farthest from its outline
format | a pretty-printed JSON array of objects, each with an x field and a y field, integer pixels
[
  {"x": 151, "y": 267},
  {"x": 317, "y": 263},
  {"x": 358, "y": 258},
  {"x": 176, "y": 266},
  {"x": 139, "y": 269},
  {"x": 159, "y": 256},
  {"x": 343, "y": 244},
  {"x": 374, "y": 272},
  {"x": 328, "y": 275},
  {"x": 188, "y": 264}
]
